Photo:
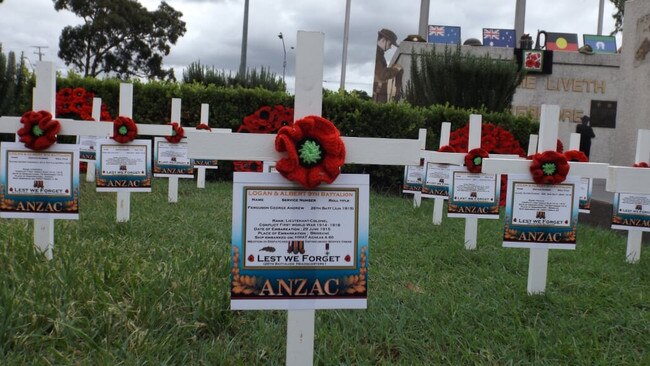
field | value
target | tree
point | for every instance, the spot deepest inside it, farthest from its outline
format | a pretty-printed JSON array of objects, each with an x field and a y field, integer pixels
[
  {"x": 14, "y": 92},
  {"x": 618, "y": 16},
  {"x": 119, "y": 37},
  {"x": 265, "y": 79},
  {"x": 464, "y": 81}
]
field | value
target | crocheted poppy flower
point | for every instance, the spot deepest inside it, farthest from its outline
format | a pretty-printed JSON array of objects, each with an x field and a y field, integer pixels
[
  {"x": 124, "y": 130},
  {"x": 283, "y": 116},
  {"x": 447, "y": 148},
  {"x": 315, "y": 151},
  {"x": 248, "y": 166},
  {"x": 203, "y": 126},
  {"x": 576, "y": 155},
  {"x": 39, "y": 130},
  {"x": 642, "y": 164},
  {"x": 549, "y": 167},
  {"x": 177, "y": 133},
  {"x": 474, "y": 160}
]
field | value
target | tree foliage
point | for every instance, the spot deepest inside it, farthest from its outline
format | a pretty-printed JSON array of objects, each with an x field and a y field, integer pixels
[
  {"x": 464, "y": 81},
  {"x": 618, "y": 16},
  {"x": 202, "y": 74},
  {"x": 13, "y": 83},
  {"x": 119, "y": 37}
]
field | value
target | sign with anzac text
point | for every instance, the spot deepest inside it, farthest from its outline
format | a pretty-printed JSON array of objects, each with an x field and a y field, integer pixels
[
  {"x": 473, "y": 194},
  {"x": 170, "y": 159},
  {"x": 39, "y": 184},
  {"x": 436, "y": 181},
  {"x": 541, "y": 215},
  {"x": 299, "y": 249},
  {"x": 631, "y": 211},
  {"x": 123, "y": 167},
  {"x": 413, "y": 178}
]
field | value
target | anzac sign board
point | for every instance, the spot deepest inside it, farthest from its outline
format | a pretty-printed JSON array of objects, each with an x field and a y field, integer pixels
[
  {"x": 39, "y": 184},
  {"x": 299, "y": 249}
]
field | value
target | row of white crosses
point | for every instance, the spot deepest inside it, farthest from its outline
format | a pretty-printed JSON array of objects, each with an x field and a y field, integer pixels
[
  {"x": 549, "y": 122},
  {"x": 203, "y": 119},
  {"x": 44, "y": 100},
  {"x": 474, "y": 141},
  {"x": 633, "y": 180},
  {"x": 308, "y": 101}
]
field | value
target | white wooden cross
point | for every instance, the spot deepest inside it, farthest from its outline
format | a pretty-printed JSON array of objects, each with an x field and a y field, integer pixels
[
  {"x": 532, "y": 144},
  {"x": 44, "y": 98},
  {"x": 308, "y": 101},
  {"x": 438, "y": 203},
  {"x": 633, "y": 180},
  {"x": 417, "y": 196},
  {"x": 126, "y": 110},
  {"x": 204, "y": 119},
  {"x": 474, "y": 141},
  {"x": 172, "y": 187},
  {"x": 574, "y": 144},
  {"x": 549, "y": 122},
  {"x": 96, "y": 114}
]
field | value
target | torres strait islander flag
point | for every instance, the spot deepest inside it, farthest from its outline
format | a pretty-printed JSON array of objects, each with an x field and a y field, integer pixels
[
  {"x": 561, "y": 41},
  {"x": 600, "y": 44}
]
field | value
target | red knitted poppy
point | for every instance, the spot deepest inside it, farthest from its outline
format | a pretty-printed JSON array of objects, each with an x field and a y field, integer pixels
[
  {"x": 39, "y": 130},
  {"x": 576, "y": 155},
  {"x": 474, "y": 160},
  {"x": 315, "y": 151},
  {"x": 124, "y": 130},
  {"x": 447, "y": 148},
  {"x": 549, "y": 167},
  {"x": 177, "y": 133}
]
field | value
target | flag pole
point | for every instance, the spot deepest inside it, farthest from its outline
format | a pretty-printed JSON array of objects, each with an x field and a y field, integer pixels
[
  {"x": 346, "y": 34},
  {"x": 520, "y": 20},
  {"x": 601, "y": 9}
]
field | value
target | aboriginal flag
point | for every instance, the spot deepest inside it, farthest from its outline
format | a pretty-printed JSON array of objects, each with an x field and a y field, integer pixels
[{"x": 561, "y": 41}]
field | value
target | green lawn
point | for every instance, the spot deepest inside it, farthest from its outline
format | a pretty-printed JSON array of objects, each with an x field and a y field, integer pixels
[{"x": 155, "y": 291}]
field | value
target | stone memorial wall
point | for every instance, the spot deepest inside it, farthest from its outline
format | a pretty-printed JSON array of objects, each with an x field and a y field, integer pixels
[{"x": 580, "y": 84}]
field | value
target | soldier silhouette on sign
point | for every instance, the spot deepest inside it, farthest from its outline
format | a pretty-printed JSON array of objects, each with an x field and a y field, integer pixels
[{"x": 385, "y": 75}]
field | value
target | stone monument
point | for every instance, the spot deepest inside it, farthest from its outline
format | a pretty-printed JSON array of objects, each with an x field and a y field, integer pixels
[{"x": 634, "y": 108}]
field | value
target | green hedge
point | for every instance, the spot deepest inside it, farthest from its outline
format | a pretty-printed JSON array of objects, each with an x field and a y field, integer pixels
[{"x": 352, "y": 115}]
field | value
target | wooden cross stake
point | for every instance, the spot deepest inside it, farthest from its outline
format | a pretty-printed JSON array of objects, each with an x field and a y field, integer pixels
[
  {"x": 308, "y": 101},
  {"x": 538, "y": 264},
  {"x": 126, "y": 110},
  {"x": 633, "y": 180},
  {"x": 45, "y": 99},
  {"x": 471, "y": 223},
  {"x": 204, "y": 118}
]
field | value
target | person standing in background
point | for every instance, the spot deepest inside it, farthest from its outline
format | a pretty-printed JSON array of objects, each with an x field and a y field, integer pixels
[{"x": 586, "y": 134}]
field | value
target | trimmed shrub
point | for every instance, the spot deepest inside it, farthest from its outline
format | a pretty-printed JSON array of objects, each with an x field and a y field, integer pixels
[{"x": 353, "y": 115}]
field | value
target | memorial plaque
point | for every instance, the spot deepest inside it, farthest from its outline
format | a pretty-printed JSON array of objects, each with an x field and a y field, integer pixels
[{"x": 603, "y": 113}]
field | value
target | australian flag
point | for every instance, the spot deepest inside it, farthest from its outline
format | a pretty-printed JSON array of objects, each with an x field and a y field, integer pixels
[
  {"x": 499, "y": 37},
  {"x": 444, "y": 34}
]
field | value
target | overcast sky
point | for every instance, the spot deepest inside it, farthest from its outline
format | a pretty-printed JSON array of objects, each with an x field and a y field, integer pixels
[{"x": 214, "y": 29}]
